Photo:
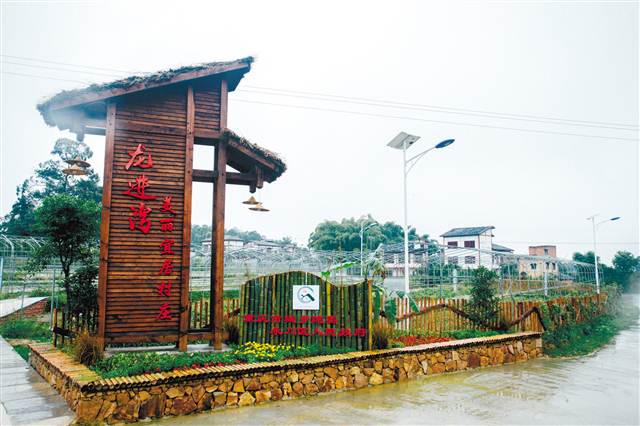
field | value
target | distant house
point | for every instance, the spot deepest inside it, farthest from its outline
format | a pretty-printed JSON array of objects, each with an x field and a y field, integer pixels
[
  {"x": 536, "y": 268},
  {"x": 230, "y": 243},
  {"x": 418, "y": 254},
  {"x": 472, "y": 247}
]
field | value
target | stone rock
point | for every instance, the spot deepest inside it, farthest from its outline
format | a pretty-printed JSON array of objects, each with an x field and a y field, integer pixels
[
  {"x": 211, "y": 388},
  {"x": 156, "y": 390},
  {"x": 253, "y": 385},
  {"x": 131, "y": 410},
  {"x": 205, "y": 403},
  {"x": 292, "y": 377},
  {"x": 262, "y": 396},
  {"x": 474, "y": 360},
  {"x": 331, "y": 372},
  {"x": 143, "y": 396},
  {"x": 152, "y": 407},
  {"x": 188, "y": 390},
  {"x": 225, "y": 386},
  {"x": 439, "y": 368},
  {"x": 238, "y": 386},
  {"x": 219, "y": 399},
  {"x": 511, "y": 350},
  {"x": 519, "y": 345},
  {"x": 298, "y": 389},
  {"x": 172, "y": 393},
  {"x": 306, "y": 379},
  {"x": 311, "y": 389},
  {"x": 122, "y": 398},
  {"x": 286, "y": 389},
  {"x": 266, "y": 378},
  {"x": 375, "y": 379},
  {"x": 328, "y": 385},
  {"x": 368, "y": 371},
  {"x": 498, "y": 357},
  {"x": 538, "y": 343},
  {"x": 462, "y": 365},
  {"x": 88, "y": 409},
  {"x": 425, "y": 366},
  {"x": 360, "y": 380},
  {"x": 450, "y": 365},
  {"x": 354, "y": 370},
  {"x": 197, "y": 393},
  {"x": 276, "y": 394},
  {"x": 455, "y": 356},
  {"x": 107, "y": 409},
  {"x": 183, "y": 405},
  {"x": 341, "y": 383},
  {"x": 377, "y": 366},
  {"x": 232, "y": 398},
  {"x": 246, "y": 399}
]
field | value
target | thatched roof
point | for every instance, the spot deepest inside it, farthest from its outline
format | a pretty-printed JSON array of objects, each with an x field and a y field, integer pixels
[
  {"x": 135, "y": 83},
  {"x": 279, "y": 167}
]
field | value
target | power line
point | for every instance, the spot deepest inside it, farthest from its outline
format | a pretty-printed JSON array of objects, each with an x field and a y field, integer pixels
[
  {"x": 68, "y": 64},
  {"x": 59, "y": 69},
  {"x": 373, "y": 114},
  {"x": 368, "y": 114},
  {"x": 44, "y": 77},
  {"x": 381, "y": 102},
  {"x": 445, "y": 110}
]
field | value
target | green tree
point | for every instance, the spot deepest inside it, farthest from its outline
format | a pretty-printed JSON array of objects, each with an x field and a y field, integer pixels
[
  {"x": 345, "y": 235},
  {"x": 49, "y": 180},
  {"x": 199, "y": 233},
  {"x": 483, "y": 305},
  {"x": 71, "y": 226},
  {"x": 625, "y": 268}
]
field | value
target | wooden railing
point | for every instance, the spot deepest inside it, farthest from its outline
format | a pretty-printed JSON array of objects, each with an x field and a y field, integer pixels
[
  {"x": 439, "y": 316},
  {"x": 66, "y": 325}
]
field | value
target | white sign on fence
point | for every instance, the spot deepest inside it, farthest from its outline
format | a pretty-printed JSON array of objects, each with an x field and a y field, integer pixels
[{"x": 306, "y": 297}]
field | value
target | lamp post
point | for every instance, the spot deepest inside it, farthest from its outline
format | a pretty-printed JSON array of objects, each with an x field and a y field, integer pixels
[
  {"x": 595, "y": 226},
  {"x": 362, "y": 230},
  {"x": 404, "y": 141}
]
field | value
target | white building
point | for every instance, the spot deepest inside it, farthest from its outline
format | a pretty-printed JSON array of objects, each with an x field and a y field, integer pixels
[{"x": 465, "y": 247}]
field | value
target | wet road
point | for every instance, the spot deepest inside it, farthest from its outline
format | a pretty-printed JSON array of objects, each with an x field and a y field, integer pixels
[{"x": 597, "y": 389}]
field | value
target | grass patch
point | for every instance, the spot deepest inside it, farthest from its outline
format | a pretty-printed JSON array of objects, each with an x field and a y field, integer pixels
[
  {"x": 129, "y": 364},
  {"x": 23, "y": 351},
  {"x": 583, "y": 338},
  {"x": 25, "y": 328},
  {"x": 471, "y": 334}
]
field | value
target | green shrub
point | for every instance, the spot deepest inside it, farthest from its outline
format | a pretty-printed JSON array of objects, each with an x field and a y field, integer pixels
[
  {"x": 83, "y": 289},
  {"x": 25, "y": 328},
  {"x": 470, "y": 334},
  {"x": 23, "y": 351},
  {"x": 483, "y": 305}
]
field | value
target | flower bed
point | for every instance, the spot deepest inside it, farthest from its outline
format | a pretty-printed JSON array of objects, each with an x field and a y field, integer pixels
[{"x": 129, "y": 364}]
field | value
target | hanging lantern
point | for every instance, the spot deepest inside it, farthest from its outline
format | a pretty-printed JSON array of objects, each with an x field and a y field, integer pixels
[
  {"x": 78, "y": 162},
  {"x": 251, "y": 201},
  {"x": 74, "y": 170},
  {"x": 258, "y": 208}
]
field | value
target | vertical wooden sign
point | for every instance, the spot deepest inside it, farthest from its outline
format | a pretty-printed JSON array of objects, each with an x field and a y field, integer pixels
[{"x": 144, "y": 270}]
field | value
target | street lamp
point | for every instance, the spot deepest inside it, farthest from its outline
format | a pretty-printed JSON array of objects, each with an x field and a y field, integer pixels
[
  {"x": 595, "y": 226},
  {"x": 404, "y": 141},
  {"x": 362, "y": 230}
]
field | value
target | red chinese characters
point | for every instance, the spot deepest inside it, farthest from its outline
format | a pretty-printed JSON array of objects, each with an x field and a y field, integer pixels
[
  {"x": 295, "y": 326},
  {"x": 138, "y": 159},
  {"x": 140, "y": 220}
]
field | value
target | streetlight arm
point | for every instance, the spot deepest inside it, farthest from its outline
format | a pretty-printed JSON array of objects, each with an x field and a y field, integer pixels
[{"x": 414, "y": 160}]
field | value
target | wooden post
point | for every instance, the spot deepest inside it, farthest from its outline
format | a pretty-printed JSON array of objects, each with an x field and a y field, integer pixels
[
  {"x": 186, "y": 224},
  {"x": 217, "y": 246},
  {"x": 110, "y": 131}
]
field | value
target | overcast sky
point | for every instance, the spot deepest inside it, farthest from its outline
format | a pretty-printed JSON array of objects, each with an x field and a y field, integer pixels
[{"x": 560, "y": 60}]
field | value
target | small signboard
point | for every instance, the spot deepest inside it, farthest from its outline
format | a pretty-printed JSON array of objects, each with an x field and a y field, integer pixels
[{"x": 306, "y": 297}]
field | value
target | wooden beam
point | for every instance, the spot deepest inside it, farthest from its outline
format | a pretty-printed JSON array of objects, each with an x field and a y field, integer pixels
[
  {"x": 224, "y": 100},
  {"x": 104, "y": 224},
  {"x": 106, "y": 93},
  {"x": 186, "y": 222},
  {"x": 217, "y": 246},
  {"x": 233, "y": 178}
]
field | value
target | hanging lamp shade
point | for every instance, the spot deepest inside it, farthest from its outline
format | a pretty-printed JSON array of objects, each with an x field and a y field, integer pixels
[
  {"x": 74, "y": 170},
  {"x": 251, "y": 201},
  {"x": 78, "y": 162},
  {"x": 258, "y": 208}
]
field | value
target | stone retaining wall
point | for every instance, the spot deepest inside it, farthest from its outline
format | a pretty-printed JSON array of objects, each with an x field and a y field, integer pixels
[{"x": 130, "y": 399}]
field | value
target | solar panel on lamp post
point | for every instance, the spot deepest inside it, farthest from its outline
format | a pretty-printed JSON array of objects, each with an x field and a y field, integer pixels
[
  {"x": 595, "y": 253},
  {"x": 403, "y": 141}
]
